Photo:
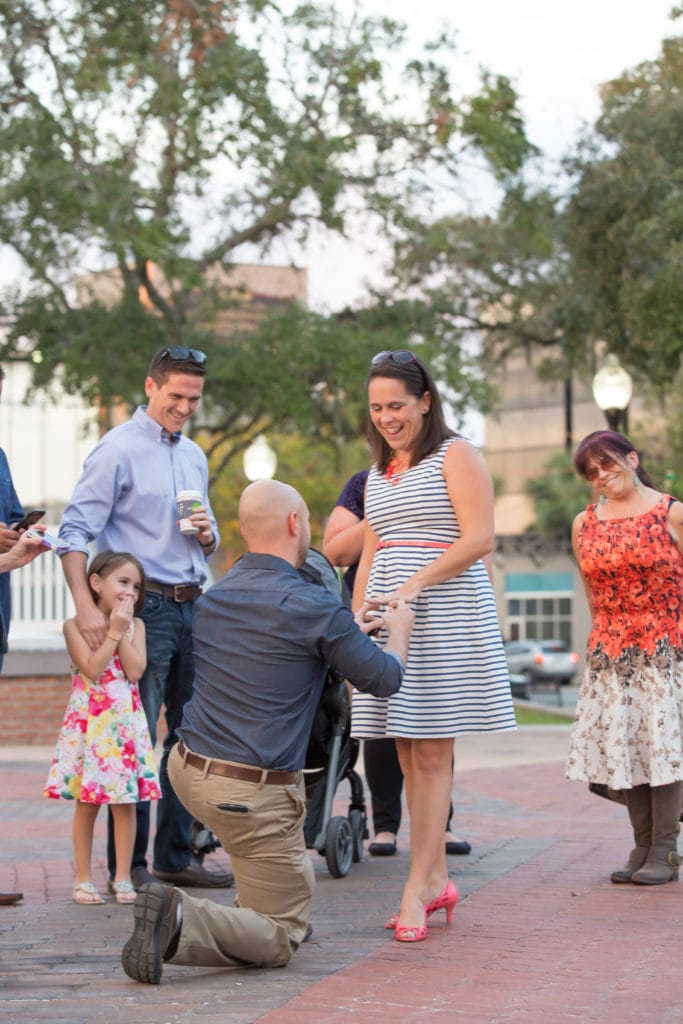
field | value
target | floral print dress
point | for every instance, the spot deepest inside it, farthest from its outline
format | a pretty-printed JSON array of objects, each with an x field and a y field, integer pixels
[
  {"x": 628, "y": 728},
  {"x": 104, "y": 753}
]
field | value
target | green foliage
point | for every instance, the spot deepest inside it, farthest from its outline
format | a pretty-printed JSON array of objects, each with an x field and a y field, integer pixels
[
  {"x": 595, "y": 257},
  {"x": 624, "y": 221},
  {"x": 309, "y": 375},
  {"x": 497, "y": 278},
  {"x": 156, "y": 140},
  {"x": 558, "y": 496},
  {"x": 494, "y": 123},
  {"x": 317, "y": 470}
]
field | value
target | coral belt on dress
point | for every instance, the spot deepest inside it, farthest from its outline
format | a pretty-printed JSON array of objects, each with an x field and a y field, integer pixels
[{"x": 412, "y": 544}]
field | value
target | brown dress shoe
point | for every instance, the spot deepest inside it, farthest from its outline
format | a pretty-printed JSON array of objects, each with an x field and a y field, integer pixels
[{"x": 195, "y": 875}]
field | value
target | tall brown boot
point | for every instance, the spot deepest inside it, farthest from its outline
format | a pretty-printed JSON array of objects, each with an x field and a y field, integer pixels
[
  {"x": 662, "y": 860},
  {"x": 639, "y": 805}
]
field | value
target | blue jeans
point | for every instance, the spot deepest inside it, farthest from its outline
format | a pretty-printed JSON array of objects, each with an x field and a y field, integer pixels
[{"x": 168, "y": 681}]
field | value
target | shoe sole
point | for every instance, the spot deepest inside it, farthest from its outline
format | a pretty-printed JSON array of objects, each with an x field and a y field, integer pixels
[{"x": 141, "y": 956}]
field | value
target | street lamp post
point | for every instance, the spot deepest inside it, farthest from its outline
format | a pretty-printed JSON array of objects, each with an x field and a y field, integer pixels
[
  {"x": 259, "y": 460},
  {"x": 612, "y": 390}
]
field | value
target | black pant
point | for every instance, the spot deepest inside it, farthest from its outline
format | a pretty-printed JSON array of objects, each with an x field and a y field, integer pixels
[{"x": 385, "y": 780}]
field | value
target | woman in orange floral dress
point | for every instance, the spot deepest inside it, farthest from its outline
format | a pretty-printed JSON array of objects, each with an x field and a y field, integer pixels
[{"x": 628, "y": 730}]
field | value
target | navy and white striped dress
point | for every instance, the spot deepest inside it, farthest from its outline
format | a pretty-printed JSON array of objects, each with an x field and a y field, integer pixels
[{"x": 456, "y": 679}]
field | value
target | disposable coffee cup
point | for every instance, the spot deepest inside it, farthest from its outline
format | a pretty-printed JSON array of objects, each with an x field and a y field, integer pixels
[{"x": 188, "y": 502}]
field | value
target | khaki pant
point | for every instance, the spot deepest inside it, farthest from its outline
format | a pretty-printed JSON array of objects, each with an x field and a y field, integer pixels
[{"x": 274, "y": 877}]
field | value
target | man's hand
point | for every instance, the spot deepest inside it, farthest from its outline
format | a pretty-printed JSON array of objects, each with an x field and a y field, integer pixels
[
  {"x": 368, "y": 618},
  {"x": 8, "y": 537},
  {"x": 200, "y": 520},
  {"x": 93, "y": 625}
]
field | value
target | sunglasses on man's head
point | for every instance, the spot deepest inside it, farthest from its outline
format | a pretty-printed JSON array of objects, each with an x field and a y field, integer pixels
[
  {"x": 181, "y": 353},
  {"x": 401, "y": 356}
]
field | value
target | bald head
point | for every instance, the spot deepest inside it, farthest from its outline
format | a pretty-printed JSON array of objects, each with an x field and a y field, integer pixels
[{"x": 274, "y": 520}]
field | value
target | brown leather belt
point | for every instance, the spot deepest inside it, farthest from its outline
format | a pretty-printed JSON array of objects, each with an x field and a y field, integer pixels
[
  {"x": 236, "y": 771},
  {"x": 179, "y": 592}
]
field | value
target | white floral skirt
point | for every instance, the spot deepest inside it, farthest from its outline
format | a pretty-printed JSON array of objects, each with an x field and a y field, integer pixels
[{"x": 628, "y": 728}]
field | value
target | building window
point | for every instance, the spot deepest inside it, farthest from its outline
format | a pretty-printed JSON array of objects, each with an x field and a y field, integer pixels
[{"x": 538, "y": 606}]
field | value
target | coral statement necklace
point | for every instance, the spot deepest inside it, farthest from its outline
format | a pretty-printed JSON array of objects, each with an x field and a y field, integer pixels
[{"x": 395, "y": 471}]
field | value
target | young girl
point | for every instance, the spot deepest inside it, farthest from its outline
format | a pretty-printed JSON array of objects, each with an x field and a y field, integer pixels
[{"x": 104, "y": 754}]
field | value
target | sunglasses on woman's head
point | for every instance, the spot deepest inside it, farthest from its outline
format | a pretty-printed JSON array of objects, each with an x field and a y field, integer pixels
[{"x": 401, "y": 356}]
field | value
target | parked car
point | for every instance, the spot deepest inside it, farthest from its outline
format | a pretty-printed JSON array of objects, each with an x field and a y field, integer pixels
[{"x": 541, "y": 661}]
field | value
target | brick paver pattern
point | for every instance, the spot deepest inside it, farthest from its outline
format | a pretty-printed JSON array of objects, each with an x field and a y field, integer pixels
[{"x": 540, "y": 935}]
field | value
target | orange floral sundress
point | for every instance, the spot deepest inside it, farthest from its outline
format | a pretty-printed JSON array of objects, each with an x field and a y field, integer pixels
[{"x": 628, "y": 728}]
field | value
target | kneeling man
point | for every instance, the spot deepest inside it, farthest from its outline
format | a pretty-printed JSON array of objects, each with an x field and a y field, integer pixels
[{"x": 263, "y": 641}]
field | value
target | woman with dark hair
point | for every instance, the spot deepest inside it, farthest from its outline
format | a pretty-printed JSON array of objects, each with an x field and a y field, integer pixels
[
  {"x": 429, "y": 509},
  {"x": 343, "y": 546},
  {"x": 628, "y": 729}
]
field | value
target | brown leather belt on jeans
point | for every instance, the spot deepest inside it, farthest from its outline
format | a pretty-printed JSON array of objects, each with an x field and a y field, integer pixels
[
  {"x": 179, "y": 592},
  {"x": 236, "y": 771}
]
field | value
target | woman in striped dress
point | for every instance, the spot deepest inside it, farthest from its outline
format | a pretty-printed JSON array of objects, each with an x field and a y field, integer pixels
[{"x": 429, "y": 509}]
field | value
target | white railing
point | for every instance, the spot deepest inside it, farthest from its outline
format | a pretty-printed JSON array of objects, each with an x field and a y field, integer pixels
[{"x": 41, "y": 599}]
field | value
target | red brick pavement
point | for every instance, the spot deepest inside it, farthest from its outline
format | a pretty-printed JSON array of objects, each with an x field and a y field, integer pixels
[{"x": 540, "y": 935}]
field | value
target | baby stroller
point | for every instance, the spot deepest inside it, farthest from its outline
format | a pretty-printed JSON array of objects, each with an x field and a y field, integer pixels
[{"x": 330, "y": 759}]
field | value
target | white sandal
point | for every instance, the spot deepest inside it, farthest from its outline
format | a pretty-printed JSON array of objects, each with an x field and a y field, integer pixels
[
  {"x": 124, "y": 891},
  {"x": 86, "y": 893}
]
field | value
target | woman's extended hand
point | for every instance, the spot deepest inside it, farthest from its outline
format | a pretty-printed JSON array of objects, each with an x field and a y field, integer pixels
[{"x": 407, "y": 592}]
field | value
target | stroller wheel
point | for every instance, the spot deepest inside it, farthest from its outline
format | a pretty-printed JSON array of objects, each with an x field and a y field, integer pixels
[
  {"x": 202, "y": 840},
  {"x": 338, "y": 846},
  {"x": 357, "y": 823}
]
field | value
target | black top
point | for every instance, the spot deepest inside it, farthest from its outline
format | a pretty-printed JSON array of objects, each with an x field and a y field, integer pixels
[{"x": 352, "y": 498}]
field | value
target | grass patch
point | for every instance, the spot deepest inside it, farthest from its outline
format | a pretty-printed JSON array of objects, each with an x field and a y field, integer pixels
[{"x": 532, "y": 716}]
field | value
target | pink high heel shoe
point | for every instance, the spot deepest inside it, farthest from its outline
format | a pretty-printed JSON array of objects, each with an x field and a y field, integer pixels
[
  {"x": 446, "y": 900},
  {"x": 412, "y": 933}
]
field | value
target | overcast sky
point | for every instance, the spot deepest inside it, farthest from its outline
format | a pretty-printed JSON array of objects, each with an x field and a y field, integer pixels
[{"x": 557, "y": 53}]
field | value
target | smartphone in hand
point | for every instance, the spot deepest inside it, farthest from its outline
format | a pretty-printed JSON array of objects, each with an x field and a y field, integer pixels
[{"x": 29, "y": 519}]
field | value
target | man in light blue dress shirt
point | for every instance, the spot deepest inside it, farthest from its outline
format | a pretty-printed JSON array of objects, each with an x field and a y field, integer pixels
[{"x": 125, "y": 501}]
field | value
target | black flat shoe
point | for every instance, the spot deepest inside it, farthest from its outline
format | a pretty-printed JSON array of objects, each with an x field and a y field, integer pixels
[
  {"x": 382, "y": 849},
  {"x": 458, "y": 846},
  {"x": 8, "y": 899}
]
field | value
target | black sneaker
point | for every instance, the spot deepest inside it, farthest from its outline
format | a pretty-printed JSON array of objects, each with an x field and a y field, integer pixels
[{"x": 158, "y": 920}]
